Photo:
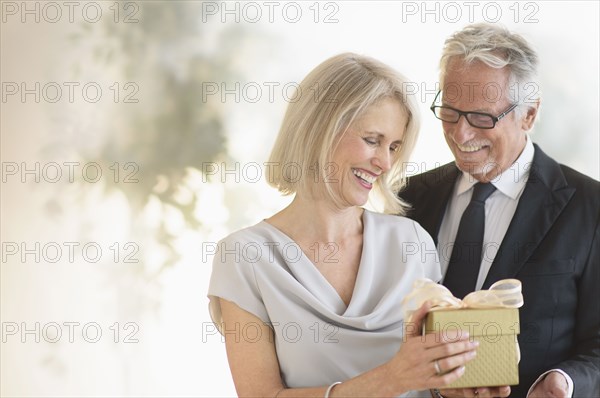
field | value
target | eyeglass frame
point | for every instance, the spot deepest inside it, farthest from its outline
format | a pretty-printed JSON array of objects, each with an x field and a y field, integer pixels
[{"x": 495, "y": 119}]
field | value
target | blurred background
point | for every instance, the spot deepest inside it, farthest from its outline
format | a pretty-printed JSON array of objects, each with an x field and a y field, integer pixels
[{"x": 134, "y": 136}]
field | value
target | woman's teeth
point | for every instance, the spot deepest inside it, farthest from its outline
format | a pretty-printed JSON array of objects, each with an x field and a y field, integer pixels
[{"x": 364, "y": 176}]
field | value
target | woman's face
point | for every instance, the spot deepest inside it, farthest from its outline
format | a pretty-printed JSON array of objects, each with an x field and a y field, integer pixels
[{"x": 367, "y": 150}]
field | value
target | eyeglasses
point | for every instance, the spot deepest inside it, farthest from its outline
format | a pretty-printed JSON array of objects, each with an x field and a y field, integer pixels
[{"x": 478, "y": 120}]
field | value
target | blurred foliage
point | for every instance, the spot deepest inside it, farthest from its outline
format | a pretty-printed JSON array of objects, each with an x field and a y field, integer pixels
[{"x": 168, "y": 51}]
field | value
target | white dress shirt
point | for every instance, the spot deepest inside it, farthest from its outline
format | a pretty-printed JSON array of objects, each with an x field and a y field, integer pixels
[{"x": 500, "y": 208}]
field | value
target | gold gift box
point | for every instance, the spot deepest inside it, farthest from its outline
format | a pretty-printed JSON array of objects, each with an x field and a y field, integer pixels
[{"x": 497, "y": 360}]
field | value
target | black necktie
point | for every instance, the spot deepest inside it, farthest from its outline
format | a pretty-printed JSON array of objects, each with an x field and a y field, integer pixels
[{"x": 463, "y": 268}]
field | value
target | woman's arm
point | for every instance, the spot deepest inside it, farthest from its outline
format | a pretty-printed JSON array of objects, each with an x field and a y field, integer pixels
[
  {"x": 255, "y": 368},
  {"x": 253, "y": 361}
]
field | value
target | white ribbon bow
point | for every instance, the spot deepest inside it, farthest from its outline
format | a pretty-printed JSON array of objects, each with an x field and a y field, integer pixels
[{"x": 505, "y": 293}]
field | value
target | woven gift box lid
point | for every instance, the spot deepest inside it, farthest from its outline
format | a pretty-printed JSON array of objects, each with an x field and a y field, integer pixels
[{"x": 496, "y": 363}]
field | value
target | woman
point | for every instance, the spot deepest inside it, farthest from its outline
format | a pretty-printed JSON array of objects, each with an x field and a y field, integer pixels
[{"x": 310, "y": 297}]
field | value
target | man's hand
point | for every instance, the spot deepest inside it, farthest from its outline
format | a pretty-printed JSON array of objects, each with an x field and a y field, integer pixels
[
  {"x": 481, "y": 392},
  {"x": 554, "y": 385}
]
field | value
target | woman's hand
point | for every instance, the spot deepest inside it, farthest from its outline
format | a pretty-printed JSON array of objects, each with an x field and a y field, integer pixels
[{"x": 432, "y": 360}]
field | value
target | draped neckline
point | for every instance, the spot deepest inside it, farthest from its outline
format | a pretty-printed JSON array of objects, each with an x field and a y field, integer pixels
[{"x": 307, "y": 273}]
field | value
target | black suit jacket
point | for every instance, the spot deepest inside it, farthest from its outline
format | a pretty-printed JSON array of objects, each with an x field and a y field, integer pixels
[{"x": 552, "y": 246}]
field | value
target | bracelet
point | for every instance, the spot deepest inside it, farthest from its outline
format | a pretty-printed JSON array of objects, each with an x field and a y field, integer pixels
[
  {"x": 330, "y": 388},
  {"x": 436, "y": 393}
]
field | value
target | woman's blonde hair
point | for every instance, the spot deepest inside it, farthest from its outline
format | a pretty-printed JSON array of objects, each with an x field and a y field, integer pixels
[{"x": 327, "y": 101}]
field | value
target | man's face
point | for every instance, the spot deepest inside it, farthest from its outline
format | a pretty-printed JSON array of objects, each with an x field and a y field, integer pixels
[{"x": 483, "y": 153}]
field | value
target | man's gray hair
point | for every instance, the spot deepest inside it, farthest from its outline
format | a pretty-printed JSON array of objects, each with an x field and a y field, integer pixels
[{"x": 497, "y": 47}]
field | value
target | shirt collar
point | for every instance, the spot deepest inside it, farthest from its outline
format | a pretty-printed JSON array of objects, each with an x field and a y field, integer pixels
[{"x": 511, "y": 182}]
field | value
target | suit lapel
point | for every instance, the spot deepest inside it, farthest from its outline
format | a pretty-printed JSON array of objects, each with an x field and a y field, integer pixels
[
  {"x": 433, "y": 202},
  {"x": 545, "y": 196}
]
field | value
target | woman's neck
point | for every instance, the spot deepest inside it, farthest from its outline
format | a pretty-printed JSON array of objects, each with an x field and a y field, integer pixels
[{"x": 318, "y": 220}]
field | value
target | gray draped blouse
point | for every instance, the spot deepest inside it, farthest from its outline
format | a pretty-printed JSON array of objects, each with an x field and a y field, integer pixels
[{"x": 320, "y": 340}]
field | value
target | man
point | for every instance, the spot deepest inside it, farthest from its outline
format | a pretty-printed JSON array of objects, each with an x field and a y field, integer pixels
[{"x": 541, "y": 218}]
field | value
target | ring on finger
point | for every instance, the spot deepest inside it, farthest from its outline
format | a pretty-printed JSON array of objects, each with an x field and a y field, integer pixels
[{"x": 438, "y": 371}]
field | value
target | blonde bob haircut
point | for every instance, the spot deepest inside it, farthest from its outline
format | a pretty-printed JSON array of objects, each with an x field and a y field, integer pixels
[{"x": 327, "y": 101}]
